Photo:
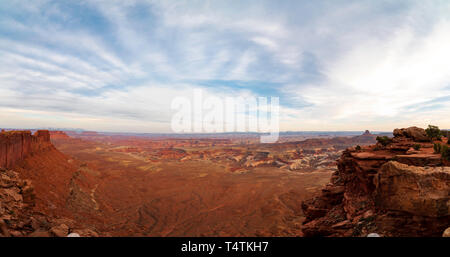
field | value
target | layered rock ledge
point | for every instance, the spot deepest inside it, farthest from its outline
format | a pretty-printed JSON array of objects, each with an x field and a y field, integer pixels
[{"x": 391, "y": 190}]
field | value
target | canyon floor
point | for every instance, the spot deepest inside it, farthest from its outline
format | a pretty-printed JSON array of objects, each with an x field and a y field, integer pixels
[{"x": 136, "y": 196}]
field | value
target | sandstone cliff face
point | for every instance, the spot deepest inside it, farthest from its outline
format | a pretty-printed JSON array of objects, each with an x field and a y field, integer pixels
[
  {"x": 34, "y": 187},
  {"x": 16, "y": 145},
  {"x": 386, "y": 190},
  {"x": 415, "y": 190}
]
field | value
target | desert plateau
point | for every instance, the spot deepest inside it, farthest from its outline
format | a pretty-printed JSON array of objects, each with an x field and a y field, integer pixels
[{"x": 56, "y": 183}]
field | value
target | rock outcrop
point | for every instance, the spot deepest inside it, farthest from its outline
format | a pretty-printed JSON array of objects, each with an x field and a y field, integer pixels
[
  {"x": 384, "y": 190},
  {"x": 16, "y": 145},
  {"x": 18, "y": 217},
  {"x": 415, "y": 133},
  {"x": 16, "y": 201},
  {"x": 415, "y": 190},
  {"x": 34, "y": 179}
]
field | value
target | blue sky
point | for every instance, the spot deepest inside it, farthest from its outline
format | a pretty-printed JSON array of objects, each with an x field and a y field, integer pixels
[{"x": 116, "y": 65}]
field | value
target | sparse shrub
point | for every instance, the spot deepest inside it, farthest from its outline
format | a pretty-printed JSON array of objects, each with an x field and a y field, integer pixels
[
  {"x": 448, "y": 140},
  {"x": 358, "y": 148},
  {"x": 416, "y": 147},
  {"x": 445, "y": 152},
  {"x": 433, "y": 132},
  {"x": 437, "y": 148},
  {"x": 384, "y": 140}
]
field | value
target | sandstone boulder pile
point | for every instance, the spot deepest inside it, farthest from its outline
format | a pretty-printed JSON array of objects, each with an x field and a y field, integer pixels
[{"x": 414, "y": 133}]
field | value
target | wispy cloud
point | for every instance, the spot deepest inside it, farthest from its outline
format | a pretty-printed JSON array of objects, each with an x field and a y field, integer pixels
[{"x": 116, "y": 65}]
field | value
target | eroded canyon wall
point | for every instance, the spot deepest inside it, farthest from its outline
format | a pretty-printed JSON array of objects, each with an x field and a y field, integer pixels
[
  {"x": 17, "y": 145},
  {"x": 400, "y": 189}
]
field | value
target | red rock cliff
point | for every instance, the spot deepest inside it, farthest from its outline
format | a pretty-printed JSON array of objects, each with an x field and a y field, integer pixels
[
  {"x": 400, "y": 189},
  {"x": 17, "y": 145}
]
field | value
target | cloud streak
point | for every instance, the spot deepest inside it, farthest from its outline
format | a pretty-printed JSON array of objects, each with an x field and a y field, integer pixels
[{"x": 116, "y": 65}]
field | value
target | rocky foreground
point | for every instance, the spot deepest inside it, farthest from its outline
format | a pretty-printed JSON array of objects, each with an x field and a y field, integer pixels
[
  {"x": 399, "y": 188},
  {"x": 19, "y": 213}
]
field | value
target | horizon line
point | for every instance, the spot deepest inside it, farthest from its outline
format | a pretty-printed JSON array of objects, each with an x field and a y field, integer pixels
[{"x": 200, "y": 133}]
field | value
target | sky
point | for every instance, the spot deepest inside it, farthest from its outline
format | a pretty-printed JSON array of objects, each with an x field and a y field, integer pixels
[{"x": 117, "y": 65}]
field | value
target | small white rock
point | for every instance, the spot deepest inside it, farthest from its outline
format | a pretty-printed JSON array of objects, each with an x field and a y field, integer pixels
[
  {"x": 73, "y": 235},
  {"x": 446, "y": 233},
  {"x": 373, "y": 235}
]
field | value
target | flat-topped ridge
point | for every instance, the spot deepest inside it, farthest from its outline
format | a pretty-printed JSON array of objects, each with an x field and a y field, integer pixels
[{"x": 16, "y": 145}]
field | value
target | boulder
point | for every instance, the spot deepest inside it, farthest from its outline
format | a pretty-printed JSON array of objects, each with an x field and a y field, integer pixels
[
  {"x": 28, "y": 192},
  {"x": 60, "y": 231},
  {"x": 415, "y": 133},
  {"x": 12, "y": 193},
  {"x": 415, "y": 190}
]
